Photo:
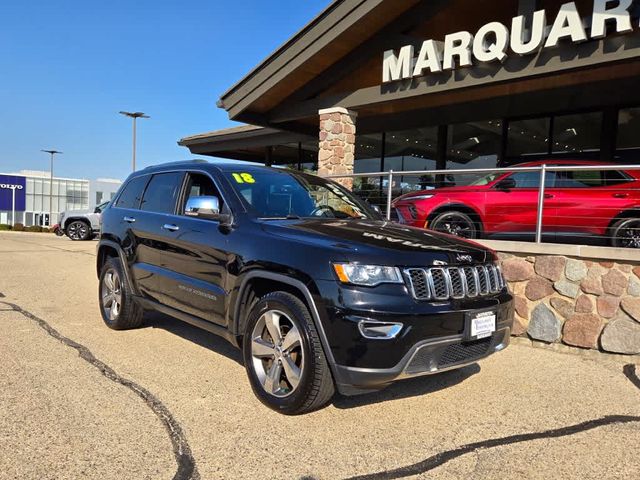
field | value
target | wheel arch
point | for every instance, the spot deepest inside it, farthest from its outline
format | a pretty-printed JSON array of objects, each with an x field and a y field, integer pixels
[
  {"x": 257, "y": 283},
  {"x": 630, "y": 213},
  {"x": 69, "y": 220},
  {"x": 108, "y": 249},
  {"x": 459, "y": 207}
]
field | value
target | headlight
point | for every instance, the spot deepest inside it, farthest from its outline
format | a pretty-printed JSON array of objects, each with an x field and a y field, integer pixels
[
  {"x": 366, "y": 275},
  {"x": 420, "y": 197}
]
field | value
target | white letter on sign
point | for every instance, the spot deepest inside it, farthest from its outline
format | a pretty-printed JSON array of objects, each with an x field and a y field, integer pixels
[
  {"x": 397, "y": 68},
  {"x": 568, "y": 24},
  {"x": 518, "y": 43},
  {"x": 429, "y": 58},
  {"x": 486, "y": 50},
  {"x": 457, "y": 45},
  {"x": 620, "y": 14}
]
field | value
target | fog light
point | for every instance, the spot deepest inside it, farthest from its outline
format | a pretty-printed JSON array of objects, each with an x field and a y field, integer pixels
[{"x": 379, "y": 330}]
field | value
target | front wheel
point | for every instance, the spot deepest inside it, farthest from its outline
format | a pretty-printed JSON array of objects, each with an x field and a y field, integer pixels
[
  {"x": 625, "y": 233},
  {"x": 117, "y": 306},
  {"x": 283, "y": 356},
  {"x": 79, "y": 231},
  {"x": 455, "y": 223}
]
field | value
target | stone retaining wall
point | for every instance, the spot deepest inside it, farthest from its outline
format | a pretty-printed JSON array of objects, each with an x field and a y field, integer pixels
[{"x": 582, "y": 303}]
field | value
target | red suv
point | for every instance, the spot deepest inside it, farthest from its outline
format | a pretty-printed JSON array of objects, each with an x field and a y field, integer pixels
[{"x": 577, "y": 203}]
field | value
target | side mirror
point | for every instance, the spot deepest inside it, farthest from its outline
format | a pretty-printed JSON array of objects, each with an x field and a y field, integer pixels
[
  {"x": 97, "y": 210},
  {"x": 376, "y": 209},
  {"x": 204, "y": 207},
  {"x": 506, "y": 184}
]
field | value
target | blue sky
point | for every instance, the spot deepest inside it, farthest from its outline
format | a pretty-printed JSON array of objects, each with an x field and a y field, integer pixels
[{"x": 68, "y": 66}]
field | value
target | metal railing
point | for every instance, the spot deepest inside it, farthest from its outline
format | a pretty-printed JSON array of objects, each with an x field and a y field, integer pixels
[{"x": 543, "y": 170}]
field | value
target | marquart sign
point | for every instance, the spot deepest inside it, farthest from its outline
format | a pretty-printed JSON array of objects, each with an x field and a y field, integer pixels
[{"x": 494, "y": 42}]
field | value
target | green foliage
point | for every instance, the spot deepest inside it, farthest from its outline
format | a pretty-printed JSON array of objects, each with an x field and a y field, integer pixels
[
  {"x": 18, "y": 227},
  {"x": 4, "y": 226},
  {"x": 33, "y": 228}
]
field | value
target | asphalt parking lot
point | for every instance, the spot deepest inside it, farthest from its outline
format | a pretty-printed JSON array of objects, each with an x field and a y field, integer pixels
[{"x": 170, "y": 401}]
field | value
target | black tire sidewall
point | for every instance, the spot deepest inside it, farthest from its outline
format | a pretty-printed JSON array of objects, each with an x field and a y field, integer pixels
[{"x": 292, "y": 403}]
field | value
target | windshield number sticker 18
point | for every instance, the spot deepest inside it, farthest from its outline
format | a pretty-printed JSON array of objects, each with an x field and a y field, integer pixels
[{"x": 244, "y": 178}]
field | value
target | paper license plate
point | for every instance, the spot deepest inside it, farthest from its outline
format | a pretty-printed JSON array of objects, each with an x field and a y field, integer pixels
[{"x": 483, "y": 325}]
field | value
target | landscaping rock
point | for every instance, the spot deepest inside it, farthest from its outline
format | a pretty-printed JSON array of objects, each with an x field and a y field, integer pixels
[
  {"x": 519, "y": 327},
  {"x": 606, "y": 264},
  {"x": 582, "y": 330},
  {"x": 567, "y": 288},
  {"x": 517, "y": 270},
  {"x": 562, "y": 306},
  {"x": 608, "y": 306},
  {"x": 621, "y": 335},
  {"x": 634, "y": 286},
  {"x": 592, "y": 284},
  {"x": 575, "y": 270},
  {"x": 538, "y": 288},
  {"x": 615, "y": 282},
  {"x": 632, "y": 307},
  {"x": 550, "y": 267},
  {"x": 584, "y": 304},
  {"x": 521, "y": 306},
  {"x": 624, "y": 267},
  {"x": 636, "y": 271},
  {"x": 544, "y": 325}
]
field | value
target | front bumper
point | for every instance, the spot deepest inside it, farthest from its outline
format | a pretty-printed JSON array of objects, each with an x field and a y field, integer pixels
[{"x": 424, "y": 358}]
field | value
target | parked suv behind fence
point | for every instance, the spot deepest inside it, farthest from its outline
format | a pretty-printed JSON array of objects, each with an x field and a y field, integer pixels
[{"x": 312, "y": 284}]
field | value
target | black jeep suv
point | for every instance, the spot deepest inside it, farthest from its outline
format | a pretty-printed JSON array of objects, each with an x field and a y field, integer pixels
[{"x": 309, "y": 281}]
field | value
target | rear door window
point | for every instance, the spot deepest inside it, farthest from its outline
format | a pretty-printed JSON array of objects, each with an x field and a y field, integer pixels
[
  {"x": 162, "y": 193},
  {"x": 131, "y": 196},
  {"x": 589, "y": 179}
]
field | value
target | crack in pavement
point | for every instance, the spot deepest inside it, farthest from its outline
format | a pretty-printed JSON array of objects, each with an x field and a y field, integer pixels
[
  {"x": 187, "y": 469},
  {"x": 440, "y": 459}
]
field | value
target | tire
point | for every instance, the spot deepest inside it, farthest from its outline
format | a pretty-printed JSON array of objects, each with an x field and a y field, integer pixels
[
  {"x": 625, "y": 233},
  {"x": 455, "y": 222},
  {"x": 78, "y": 230},
  {"x": 114, "y": 289},
  {"x": 303, "y": 359}
]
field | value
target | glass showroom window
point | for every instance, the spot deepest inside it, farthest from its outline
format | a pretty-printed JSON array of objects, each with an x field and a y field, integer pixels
[
  {"x": 473, "y": 145},
  {"x": 628, "y": 146},
  {"x": 577, "y": 134},
  {"x": 368, "y": 159},
  {"x": 528, "y": 138},
  {"x": 408, "y": 150}
]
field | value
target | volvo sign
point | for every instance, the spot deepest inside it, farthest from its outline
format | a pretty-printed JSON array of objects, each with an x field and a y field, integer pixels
[
  {"x": 494, "y": 42},
  {"x": 11, "y": 187}
]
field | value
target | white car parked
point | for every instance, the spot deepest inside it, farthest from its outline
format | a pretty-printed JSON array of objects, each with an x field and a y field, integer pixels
[{"x": 82, "y": 225}]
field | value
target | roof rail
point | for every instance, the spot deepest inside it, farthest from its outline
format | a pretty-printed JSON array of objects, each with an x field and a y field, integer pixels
[{"x": 179, "y": 162}]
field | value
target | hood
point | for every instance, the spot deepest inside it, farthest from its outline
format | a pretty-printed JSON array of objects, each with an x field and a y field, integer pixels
[{"x": 370, "y": 240}]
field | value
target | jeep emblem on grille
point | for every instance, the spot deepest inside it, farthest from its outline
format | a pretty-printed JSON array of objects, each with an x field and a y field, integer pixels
[{"x": 464, "y": 258}]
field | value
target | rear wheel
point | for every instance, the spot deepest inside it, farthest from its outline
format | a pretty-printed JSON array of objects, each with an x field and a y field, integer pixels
[
  {"x": 455, "y": 223},
  {"x": 283, "y": 356},
  {"x": 79, "y": 230},
  {"x": 117, "y": 306},
  {"x": 625, "y": 233}
]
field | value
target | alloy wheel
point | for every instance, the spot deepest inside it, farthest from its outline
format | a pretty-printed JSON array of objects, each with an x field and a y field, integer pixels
[
  {"x": 77, "y": 230},
  {"x": 111, "y": 294},
  {"x": 628, "y": 234},
  {"x": 277, "y": 353},
  {"x": 454, "y": 224}
]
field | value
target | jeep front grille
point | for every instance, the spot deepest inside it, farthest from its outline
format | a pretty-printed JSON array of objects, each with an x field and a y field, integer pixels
[{"x": 444, "y": 283}]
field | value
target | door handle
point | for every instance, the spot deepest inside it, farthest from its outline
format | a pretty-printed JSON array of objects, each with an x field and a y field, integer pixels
[
  {"x": 170, "y": 227},
  {"x": 548, "y": 195},
  {"x": 620, "y": 195},
  {"x": 129, "y": 219}
]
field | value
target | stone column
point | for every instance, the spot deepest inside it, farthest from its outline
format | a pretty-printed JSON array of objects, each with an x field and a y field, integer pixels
[{"x": 337, "y": 143}]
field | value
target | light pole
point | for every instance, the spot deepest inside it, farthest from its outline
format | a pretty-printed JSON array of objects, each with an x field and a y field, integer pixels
[
  {"x": 52, "y": 153},
  {"x": 135, "y": 116}
]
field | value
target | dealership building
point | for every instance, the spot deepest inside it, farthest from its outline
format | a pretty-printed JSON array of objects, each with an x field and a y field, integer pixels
[
  {"x": 374, "y": 85},
  {"x": 25, "y": 196}
]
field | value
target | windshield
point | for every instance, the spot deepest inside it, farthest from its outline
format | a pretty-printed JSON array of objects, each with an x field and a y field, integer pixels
[
  {"x": 487, "y": 179},
  {"x": 286, "y": 194}
]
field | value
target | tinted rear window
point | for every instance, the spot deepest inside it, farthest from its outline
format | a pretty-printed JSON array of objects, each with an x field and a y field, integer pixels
[
  {"x": 162, "y": 192},
  {"x": 132, "y": 193}
]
